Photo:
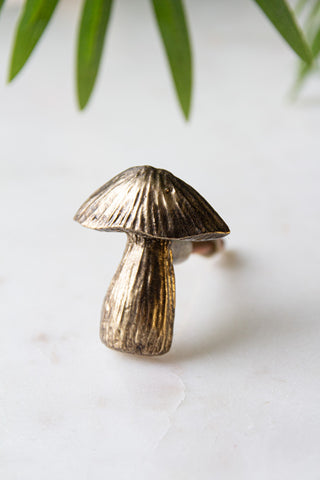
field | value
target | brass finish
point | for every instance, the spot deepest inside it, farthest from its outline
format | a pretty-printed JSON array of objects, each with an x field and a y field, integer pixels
[
  {"x": 138, "y": 311},
  {"x": 154, "y": 203},
  {"x": 154, "y": 208}
]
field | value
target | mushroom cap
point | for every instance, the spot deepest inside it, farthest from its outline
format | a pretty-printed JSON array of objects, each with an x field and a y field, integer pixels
[{"x": 153, "y": 203}]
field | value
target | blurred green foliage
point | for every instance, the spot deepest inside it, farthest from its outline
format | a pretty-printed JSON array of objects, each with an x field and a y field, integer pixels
[
  {"x": 171, "y": 19},
  {"x": 310, "y": 11}
]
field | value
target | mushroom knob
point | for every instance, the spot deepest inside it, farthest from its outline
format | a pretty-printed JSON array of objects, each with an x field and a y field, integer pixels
[{"x": 164, "y": 219}]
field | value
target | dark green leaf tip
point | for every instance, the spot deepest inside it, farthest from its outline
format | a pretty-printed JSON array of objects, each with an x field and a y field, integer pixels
[
  {"x": 31, "y": 25},
  {"x": 283, "y": 18},
  {"x": 92, "y": 31},
  {"x": 173, "y": 28}
]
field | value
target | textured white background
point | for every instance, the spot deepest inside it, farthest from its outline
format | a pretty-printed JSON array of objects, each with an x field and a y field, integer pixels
[{"x": 238, "y": 395}]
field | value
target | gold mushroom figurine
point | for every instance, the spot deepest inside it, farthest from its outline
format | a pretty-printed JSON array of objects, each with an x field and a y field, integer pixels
[{"x": 158, "y": 212}]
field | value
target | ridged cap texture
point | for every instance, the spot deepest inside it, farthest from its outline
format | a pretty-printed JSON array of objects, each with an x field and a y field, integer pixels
[{"x": 154, "y": 203}]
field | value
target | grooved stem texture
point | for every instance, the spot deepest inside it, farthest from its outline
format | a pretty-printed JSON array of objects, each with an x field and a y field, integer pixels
[{"x": 138, "y": 310}]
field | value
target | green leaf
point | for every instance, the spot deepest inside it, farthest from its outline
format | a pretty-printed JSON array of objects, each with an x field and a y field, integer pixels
[
  {"x": 32, "y": 23},
  {"x": 93, "y": 26},
  {"x": 173, "y": 28},
  {"x": 305, "y": 69},
  {"x": 280, "y": 14},
  {"x": 312, "y": 29},
  {"x": 1, "y": 3},
  {"x": 312, "y": 24},
  {"x": 315, "y": 46}
]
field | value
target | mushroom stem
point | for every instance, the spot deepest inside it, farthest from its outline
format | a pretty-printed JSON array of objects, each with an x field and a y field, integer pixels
[{"x": 138, "y": 310}]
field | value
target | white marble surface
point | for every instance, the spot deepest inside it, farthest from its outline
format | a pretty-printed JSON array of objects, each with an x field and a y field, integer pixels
[{"x": 238, "y": 395}]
